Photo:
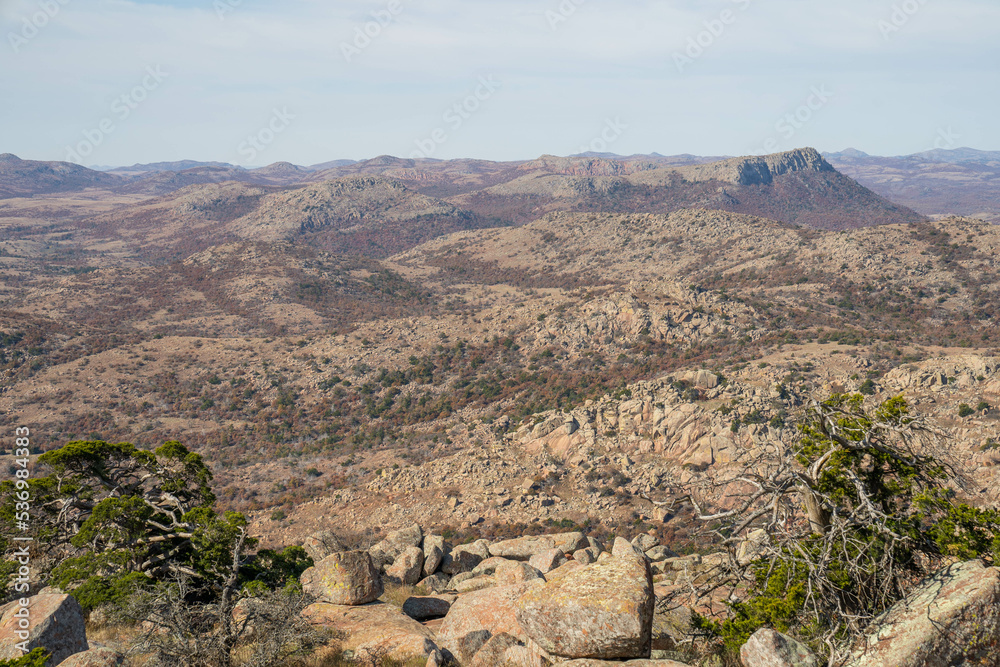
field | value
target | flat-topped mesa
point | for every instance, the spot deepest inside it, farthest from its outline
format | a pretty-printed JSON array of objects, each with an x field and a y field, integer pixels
[{"x": 758, "y": 169}]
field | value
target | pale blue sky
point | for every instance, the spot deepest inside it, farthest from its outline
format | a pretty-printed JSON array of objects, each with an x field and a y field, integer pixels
[{"x": 886, "y": 76}]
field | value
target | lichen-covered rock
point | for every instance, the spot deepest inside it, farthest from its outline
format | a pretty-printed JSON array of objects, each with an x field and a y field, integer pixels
[
  {"x": 95, "y": 657},
  {"x": 52, "y": 622},
  {"x": 348, "y": 578},
  {"x": 952, "y": 618},
  {"x": 490, "y": 609},
  {"x": 769, "y": 648},
  {"x": 671, "y": 627},
  {"x": 406, "y": 567},
  {"x": 603, "y": 610},
  {"x": 374, "y": 630}
]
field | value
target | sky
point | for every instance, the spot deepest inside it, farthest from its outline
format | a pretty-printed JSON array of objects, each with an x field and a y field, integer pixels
[{"x": 116, "y": 82}]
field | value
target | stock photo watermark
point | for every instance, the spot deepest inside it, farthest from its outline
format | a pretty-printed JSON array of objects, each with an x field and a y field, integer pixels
[
  {"x": 20, "y": 623},
  {"x": 946, "y": 139},
  {"x": 223, "y": 7},
  {"x": 121, "y": 108},
  {"x": 35, "y": 23},
  {"x": 789, "y": 125},
  {"x": 456, "y": 116},
  {"x": 255, "y": 143},
  {"x": 562, "y": 13},
  {"x": 612, "y": 132},
  {"x": 366, "y": 33},
  {"x": 901, "y": 15},
  {"x": 715, "y": 28}
]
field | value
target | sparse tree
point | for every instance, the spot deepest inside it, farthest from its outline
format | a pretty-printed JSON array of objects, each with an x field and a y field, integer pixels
[{"x": 827, "y": 532}]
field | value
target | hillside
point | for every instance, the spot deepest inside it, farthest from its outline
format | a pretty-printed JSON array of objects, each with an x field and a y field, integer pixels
[
  {"x": 938, "y": 182},
  {"x": 31, "y": 177}
]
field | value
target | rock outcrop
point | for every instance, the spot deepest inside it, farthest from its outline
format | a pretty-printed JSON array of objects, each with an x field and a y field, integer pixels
[
  {"x": 603, "y": 610},
  {"x": 347, "y": 578},
  {"x": 953, "y": 618}
]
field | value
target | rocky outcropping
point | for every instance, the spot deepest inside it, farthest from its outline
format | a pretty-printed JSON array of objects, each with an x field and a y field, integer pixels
[
  {"x": 603, "y": 610},
  {"x": 953, "y": 618}
]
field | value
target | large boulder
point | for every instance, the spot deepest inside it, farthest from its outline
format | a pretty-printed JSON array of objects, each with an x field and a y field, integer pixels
[
  {"x": 465, "y": 558},
  {"x": 374, "y": 630},
  {"x": 348, "y": 578},
  {"x": 53, "y": 622},
  {"x": 952, "y": 618},
  {"x": 603, "y": 610},
  {"x": 769, "y": 648},
  {"x": 491, "y": 609},
  {"x": 570, "y": 542},
  {"x": 431, "y": 606},
  {"x": 322, "y": 544},
  {"x": 95, "y": 657},
  {"x": 406, "y": 568}
]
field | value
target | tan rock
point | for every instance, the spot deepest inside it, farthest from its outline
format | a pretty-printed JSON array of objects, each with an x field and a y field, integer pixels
[
  {"x": 769, "y": 648},
  {"x": 603, "y": 610},
  {"x": 547, "y": 561},
  {"x": 348, "y": 578},
  {"x": 374, "y": 629},
  {"x": 407, "y": 566},
  {"x": 522, "y": 548}
]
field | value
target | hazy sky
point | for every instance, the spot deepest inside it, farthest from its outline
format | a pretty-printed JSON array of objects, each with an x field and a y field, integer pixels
[{"x": 112, "y": 82}]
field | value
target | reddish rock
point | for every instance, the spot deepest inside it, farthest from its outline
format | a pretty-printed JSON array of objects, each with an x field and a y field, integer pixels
[
  {"x": 54, "y": 622},
  {"x": 491, "y": 609},
  {"x": 348, "y": 578}
]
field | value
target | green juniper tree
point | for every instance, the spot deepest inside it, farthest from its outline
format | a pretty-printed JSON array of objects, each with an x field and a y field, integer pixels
[{"x": 842, "y": 524}]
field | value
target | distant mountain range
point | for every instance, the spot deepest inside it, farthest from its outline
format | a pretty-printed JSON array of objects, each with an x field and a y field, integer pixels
[{"x": 818, "y": 192}]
